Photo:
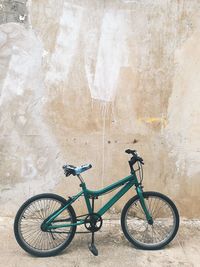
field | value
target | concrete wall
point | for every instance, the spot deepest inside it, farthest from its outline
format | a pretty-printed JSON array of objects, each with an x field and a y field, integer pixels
[{"x": 81, "y": 81}]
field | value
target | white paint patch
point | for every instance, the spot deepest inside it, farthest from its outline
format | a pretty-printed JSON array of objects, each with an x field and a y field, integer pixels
[
  {"x": 183, "y": 130},
  {"x": 103, "y": 68},
  {"x": 28, "y": 169},
  {"x": 22, "y": 17},
  {"x": 22, "y": 101},
  {"x": 66, "y": 44},
  {"x": 23, "y": 60},
  {"x": 3, "y": 38}
]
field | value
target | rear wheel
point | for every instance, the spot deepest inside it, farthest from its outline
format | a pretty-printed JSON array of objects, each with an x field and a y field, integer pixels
[
  {"x": 28, "y": 221},
  {"x": 165, "y": 221}
]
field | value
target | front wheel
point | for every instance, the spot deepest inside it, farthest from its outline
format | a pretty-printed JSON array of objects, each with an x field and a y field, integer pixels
[
  {"x": 165, "y": 221},
  {"x": 29, "y": 219}
]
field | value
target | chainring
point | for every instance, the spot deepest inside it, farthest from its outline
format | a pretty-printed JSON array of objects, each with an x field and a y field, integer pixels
[{"x": 93, "y": 222}]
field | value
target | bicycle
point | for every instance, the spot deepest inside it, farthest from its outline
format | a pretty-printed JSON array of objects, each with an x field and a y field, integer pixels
[{"x": 149, "y": 220}]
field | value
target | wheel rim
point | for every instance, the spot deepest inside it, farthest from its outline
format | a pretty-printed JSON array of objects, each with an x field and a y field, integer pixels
[
  {"x": 30, "y": 225},
  {"x": 163, "y": 226}
]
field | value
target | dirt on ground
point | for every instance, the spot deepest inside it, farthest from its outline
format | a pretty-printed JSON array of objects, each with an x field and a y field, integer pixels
[{"x": 114, "y": 249}]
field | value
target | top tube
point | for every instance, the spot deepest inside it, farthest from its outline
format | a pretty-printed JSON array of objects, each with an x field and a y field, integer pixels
[{"x": 115, "y": 185}]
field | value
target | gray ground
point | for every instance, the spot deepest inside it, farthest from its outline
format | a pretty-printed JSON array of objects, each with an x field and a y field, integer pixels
[{"x": 114, "y": 249}]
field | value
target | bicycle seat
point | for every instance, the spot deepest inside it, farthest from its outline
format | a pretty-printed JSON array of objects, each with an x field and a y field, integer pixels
[{"x": 70, "y": 169}]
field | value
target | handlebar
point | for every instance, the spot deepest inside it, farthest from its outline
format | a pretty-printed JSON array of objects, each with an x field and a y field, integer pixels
[{"x": 135, "y": 158}]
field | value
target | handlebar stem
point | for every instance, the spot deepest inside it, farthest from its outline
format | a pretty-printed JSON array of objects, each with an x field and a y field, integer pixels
[{"x": 131, "y": 166}]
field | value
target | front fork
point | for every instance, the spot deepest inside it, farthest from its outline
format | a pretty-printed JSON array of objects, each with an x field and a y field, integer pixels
[{"x": 144, "y": 207}]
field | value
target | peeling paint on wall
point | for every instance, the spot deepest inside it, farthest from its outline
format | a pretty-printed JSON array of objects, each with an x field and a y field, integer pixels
[{"x": 13, "y": 11}]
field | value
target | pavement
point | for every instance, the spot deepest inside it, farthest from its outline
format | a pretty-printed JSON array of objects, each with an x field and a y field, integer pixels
[{"x": 114, "y": 249}]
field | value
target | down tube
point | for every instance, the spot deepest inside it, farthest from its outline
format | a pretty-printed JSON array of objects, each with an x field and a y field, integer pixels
[
  {"x": 115, "y": 198},
  {"x": 60, "y": 210}
]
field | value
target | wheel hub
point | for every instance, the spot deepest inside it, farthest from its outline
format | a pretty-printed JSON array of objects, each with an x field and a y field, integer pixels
[
  {"x": 42, "y": 227},
  {"x": 150, "y": 221}
]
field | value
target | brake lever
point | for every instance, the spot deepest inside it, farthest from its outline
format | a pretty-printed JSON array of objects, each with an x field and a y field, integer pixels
[{"x": 140, "y": 160}]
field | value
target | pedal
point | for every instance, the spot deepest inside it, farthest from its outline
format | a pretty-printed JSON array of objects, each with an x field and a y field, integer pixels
[{"x": 93, "y": 249}]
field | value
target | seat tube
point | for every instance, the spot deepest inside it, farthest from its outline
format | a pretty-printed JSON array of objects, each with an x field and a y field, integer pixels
[{"x": 87, "y": 200}]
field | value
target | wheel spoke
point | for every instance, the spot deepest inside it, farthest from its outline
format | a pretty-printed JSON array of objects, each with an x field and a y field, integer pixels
[
  {"x": 164, "y": 220},
  {"x": 30, "y": 225}
]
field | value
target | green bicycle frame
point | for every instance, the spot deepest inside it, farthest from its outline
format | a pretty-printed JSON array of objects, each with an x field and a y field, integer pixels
[{"x": 126, "y": 182}]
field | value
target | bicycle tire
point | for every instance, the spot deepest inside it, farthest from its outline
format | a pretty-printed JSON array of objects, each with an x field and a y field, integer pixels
[
  {"x": 133, "y": 235},
  {"x": 29, "y": 220}
]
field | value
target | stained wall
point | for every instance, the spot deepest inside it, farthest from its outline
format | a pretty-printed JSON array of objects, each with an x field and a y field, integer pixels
[{"x": 81, "y": 81}]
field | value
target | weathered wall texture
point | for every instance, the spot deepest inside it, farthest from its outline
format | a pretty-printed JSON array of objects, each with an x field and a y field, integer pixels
[{"x": 81, "y": 81}]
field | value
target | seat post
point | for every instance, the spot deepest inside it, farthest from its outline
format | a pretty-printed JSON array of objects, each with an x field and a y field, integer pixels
[{"x": 80, "y": 178}]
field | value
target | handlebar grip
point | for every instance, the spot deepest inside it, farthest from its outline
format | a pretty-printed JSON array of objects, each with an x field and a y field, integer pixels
[{"x": 129, "y": 151}]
